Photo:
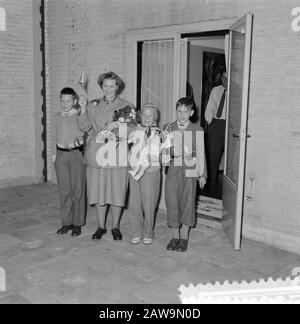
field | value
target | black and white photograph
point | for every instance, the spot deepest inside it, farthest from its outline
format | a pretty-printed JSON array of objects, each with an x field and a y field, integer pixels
[{"x": 150, "y": 154}]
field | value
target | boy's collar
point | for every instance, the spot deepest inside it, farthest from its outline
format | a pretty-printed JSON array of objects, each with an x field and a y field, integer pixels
[
  {"x": 153, "y": 125},
  {"x": 185, "y": 125},
  {"x": 72, "y": 112}
]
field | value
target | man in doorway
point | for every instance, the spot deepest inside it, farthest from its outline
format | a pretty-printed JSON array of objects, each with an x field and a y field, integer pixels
[{"x": 215, "y": 115}]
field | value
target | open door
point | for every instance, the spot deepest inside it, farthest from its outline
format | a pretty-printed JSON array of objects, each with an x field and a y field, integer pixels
[
  {"x": 236, "y": 132},
  {"x": 183, "y": 67}
]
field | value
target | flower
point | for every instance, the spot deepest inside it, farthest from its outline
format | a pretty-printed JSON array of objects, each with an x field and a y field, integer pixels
[{"x": 126, "y": 115}]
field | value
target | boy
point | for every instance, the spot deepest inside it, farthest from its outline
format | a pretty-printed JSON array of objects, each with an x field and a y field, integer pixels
[
  {"x": 181, "y": 179},
  {"x": 145, "y": 175},
  {"x": 69, "y": 166}
]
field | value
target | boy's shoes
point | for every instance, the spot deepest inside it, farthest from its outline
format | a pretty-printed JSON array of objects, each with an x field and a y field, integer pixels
[
  {"x": 99, "y": 233},
  {"x": 76, "y": 231},
  {"x": 182, "y": 245},
  {"x": 116, "y": 233},
  {"x": 136, "y": 240},
  {"x": 147, "y": 241},
  {"x": 173, "y": 244},
  {"x": 64, "y": 229}
]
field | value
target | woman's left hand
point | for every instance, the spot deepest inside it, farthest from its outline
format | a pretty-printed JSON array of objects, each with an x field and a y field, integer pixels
[{"x": 109, "y": 127}]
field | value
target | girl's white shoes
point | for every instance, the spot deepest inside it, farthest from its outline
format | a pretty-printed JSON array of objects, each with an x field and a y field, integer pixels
[
  {"x": 147, "y": 240},
  {"x": 137, "y": 240}
]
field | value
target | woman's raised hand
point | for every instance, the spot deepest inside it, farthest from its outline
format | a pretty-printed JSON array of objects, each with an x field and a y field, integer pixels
[{"x": 82, "y": 101}]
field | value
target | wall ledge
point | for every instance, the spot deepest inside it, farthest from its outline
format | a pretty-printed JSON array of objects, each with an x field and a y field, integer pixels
[
  {"x": 272, "y": 238},
  {"x": 20, "y": 181}
]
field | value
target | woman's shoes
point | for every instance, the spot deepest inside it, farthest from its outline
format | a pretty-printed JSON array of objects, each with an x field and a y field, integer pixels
[
  {"x": 99, "y": 233},
  {"x": 117, "y": 235},
  {"x": 182, "y": 245},
  {"x": 179, "y": 245},
  {"x": 173, "y": 244}
]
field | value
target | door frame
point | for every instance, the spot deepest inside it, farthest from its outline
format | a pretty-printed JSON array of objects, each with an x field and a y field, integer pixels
[{"x": 174, "y": 32}]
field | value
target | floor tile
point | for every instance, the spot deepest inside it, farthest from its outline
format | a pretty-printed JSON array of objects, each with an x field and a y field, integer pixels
[
  {"x": 7, "y": 240},
  {"x": 43, "y": 267},
  {"x": 14, "y": 299}
]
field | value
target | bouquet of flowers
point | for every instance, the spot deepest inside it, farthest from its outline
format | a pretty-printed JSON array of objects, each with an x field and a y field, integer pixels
[{"x": 126, "y": 115}]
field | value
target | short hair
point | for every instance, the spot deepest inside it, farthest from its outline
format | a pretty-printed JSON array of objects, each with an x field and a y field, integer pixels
[
  {"x": 188, "y": 102},
  {"x": 69, "y": 91},
  {"x": 153, "y": 107},
  {"x": 112, "y": 76}
]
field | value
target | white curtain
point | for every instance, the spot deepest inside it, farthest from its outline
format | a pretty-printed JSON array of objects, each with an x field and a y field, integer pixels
[
  {"x": 157, "y": 76},
  {"x": 226, "y": 48}
]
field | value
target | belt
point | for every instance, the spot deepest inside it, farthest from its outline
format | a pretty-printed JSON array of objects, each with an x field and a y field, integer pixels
[
  {"x": 173, "y": 157},
  {"x": 80, "y": 148},
  {"x": 219, "y": 119}
]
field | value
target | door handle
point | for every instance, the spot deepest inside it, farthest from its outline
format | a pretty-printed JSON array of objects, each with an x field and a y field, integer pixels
[{"x": 238, "y": 135}]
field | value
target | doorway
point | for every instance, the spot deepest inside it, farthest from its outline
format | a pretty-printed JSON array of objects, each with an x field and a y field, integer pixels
[
  {"x": 239, "y": 58},
  {"x": 206, "y": 59}
]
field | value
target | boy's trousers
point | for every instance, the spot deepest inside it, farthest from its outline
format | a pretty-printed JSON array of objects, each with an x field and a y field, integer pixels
[
  {"x": 71, "y": 176},
  {"x": 143, "y": 199},
  {"x": 180, "y": 196}
]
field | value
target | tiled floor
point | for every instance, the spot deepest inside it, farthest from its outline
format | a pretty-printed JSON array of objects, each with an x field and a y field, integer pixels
[{"x": 42, "y": 267}]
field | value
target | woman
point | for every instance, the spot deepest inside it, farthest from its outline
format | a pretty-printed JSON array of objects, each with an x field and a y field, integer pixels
[{"x": 106, "y": 186}]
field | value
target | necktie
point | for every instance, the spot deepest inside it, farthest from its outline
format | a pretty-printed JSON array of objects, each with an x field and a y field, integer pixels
[
  {"x": 148, "y": 131},
  {"x": 221, "y": 104}
]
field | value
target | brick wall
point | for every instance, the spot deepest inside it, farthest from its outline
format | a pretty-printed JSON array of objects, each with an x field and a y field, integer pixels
[
  {"x": 20, "y": 162},
  {"x": 89, "y": 35}
]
